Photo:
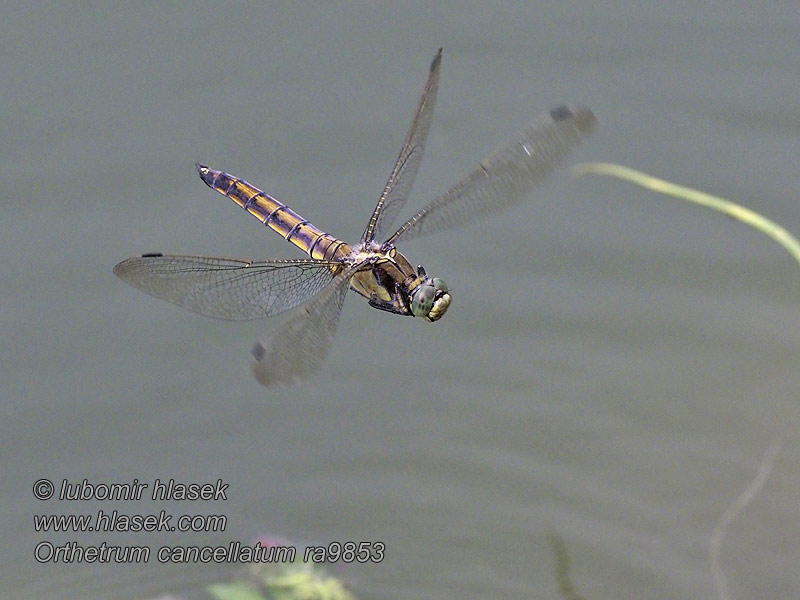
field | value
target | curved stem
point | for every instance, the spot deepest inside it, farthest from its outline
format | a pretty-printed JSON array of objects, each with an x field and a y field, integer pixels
[{"x": 731, "y": 209}]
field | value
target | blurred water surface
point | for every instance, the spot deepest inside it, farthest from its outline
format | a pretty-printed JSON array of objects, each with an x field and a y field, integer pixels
[{"x": 612, "y": 368}]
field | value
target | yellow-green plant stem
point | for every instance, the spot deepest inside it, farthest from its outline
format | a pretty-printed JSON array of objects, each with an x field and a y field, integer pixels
[{"x": 736, "y": 211}]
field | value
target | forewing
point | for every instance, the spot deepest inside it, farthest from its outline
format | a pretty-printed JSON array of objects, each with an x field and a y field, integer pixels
[
  {"x": 405, "y": 170},
  {"x": 303, "y": 340},
  {"x": 224, "y": 288},
  {"x": 507, "y": 175}
]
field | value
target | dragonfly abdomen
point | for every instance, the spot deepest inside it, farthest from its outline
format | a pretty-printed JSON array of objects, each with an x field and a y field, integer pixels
[{"x": 275, "y": 215}]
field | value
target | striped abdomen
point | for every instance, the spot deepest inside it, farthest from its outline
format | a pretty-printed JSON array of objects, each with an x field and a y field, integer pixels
[{"x": 276, "y": 215}]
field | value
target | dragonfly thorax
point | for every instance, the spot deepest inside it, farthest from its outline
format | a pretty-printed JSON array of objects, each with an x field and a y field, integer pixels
[{"x": 390, "y": 283}]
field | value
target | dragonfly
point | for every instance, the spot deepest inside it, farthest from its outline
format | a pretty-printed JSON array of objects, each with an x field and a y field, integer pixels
[{"x": 241, "y": 290}]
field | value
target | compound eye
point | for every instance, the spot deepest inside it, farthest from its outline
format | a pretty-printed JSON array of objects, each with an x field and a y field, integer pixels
[
  {"x": 440, "y": 285},
  {"x": 422, "y": 300}
]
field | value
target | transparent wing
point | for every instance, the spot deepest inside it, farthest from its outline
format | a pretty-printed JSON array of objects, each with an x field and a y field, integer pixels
[
  {"x": 507, "y": 175},
  {"x": 302, "y": 342},
  {"x": 224, "y": 288},
  {"x": 405, "y": 170}
]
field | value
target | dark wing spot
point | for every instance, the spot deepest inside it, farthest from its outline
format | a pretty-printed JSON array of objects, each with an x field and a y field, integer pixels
[
  {"x": 583, "y": 118},
  {"x": 258, "y": 351},
  {"x": 436, "y": 60},
  {"x": 152, "y": 255},
  {"x": 561, "y": 113}
]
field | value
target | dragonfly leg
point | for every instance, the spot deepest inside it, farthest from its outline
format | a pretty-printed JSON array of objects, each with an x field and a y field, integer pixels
[
  {"x": 375, "y": 302},
  {"x": 400, "y": 293}
]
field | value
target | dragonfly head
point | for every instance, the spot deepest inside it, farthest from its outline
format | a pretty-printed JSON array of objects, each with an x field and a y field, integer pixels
[{"x": 430, "y": 299}]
